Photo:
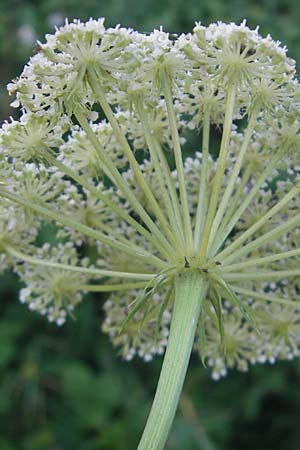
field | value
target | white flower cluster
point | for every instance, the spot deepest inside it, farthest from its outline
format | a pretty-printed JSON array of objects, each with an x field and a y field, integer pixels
[
  {"x": 277, "y": 336},
  {"x": 30, "y": 137},
  {"x": 82, "y": 156},
  {"x": 119, "y": 187},
  {"x": 140, "y": 337},
  {"x": 14, "y": 231},
  {"x": 51, "y": 291}
]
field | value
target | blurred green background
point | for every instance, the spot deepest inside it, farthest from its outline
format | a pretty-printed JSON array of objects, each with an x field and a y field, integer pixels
[{"x": 66, "y": 388}]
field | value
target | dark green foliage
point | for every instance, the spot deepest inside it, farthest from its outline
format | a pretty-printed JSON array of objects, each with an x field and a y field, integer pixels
[{"x": 65, "y": 388}]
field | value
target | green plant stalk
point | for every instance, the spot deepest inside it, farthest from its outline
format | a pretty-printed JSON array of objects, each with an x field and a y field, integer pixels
[
  {"x": 202, "y": 201},
  {"x": 263, "y": 276},
  {"x": 69, "y": 222},
  {"x": 108, "y": 202},
  {"x": 111, "y": 287},
  {"x": 167, "y": 90},
  {"x": 190, "y": 291},
  {"x": 239, "y": 193},
  {"x": 260, "y": 261},
  {"x": 224, "y": 232},
  {"x": 269, "y": 298},
  {"x": 153, "y": 203},
  {"x": 86, "y": 270},
  {"x": 233, "y": 177},
  {"x": 257, "y": 225},
  {"x": 174, "y": 224},
  {"x": 119, "y": 182},
  {"x": 218, "y": 178},
  {"x": 169, "y": 183},
  {"x": 260, "y": 241}
]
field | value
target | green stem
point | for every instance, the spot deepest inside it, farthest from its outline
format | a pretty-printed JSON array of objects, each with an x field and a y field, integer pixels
[
  {"x": 111, "y": 287},
  {"x": 262, "y": 276},
  {"x": 260, "y": 261},
  {"x": 233, "y": 177},
  {"x": 118, "y": 180},
  {"x": 190, "y": 291},
  {"x": 179, "y": 164},
  {"x": 239, "y": 194},
  {"x": 170, "y": 184},
  {"x": 139, "y": 177},
  {"x": 202, "y": 197},
  {"x": 260, "y": 296},
  {"x": 237, "y": 243},
  {"x": 138, "y": 101},
  {"x": 86, "y": 270},
  {"x": 218, "y": 178},
  {"x": 259, "y": 242},
  {"x": 85, "y": 230},
  {"x": 81, "y": 180},
  {"x": 244, "y": 205}
]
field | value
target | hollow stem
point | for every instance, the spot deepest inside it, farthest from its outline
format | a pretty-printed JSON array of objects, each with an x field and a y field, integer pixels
[{"x": 190, "y": 291}]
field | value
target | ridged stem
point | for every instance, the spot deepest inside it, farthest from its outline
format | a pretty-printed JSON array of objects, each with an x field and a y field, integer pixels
[{"x": 190, "y": 291}]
